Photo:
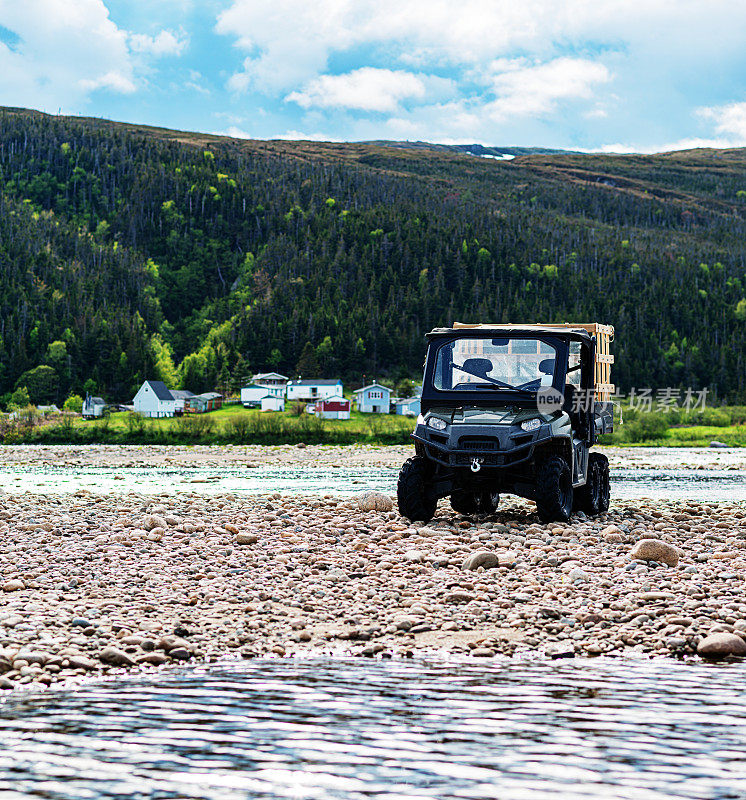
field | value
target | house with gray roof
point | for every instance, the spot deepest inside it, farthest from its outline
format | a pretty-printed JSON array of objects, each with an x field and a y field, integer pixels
[{"x": 154, "y": 399}]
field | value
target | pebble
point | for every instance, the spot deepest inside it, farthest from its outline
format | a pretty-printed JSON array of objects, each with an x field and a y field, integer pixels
[{"x": 13, "y": 585}]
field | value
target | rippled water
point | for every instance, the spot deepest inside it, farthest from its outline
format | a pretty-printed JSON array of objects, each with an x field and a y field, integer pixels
[
  {"x": 346, "y": 728},
  {"x": 705, "y": 485}
]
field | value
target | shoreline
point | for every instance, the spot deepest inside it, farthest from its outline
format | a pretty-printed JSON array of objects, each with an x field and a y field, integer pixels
[{"x": 90, "y": 584}]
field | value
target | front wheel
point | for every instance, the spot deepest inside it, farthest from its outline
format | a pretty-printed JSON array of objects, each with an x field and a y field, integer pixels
[
  {"x": 415, "y": 498},
  {"x": 554, "y": 490},
  {"x": 480, "y": 502}
]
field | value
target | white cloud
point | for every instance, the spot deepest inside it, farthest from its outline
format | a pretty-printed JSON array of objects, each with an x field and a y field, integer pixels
[
  {"x": 115, "y": 81},
  {"x": 730, "y": 120},
  {"x": 300, "y": 136},
  {"x": 536, "y": 90},
  {"x": 165, "y": 43},
  {"x": 292, "y": 135},
  {"x": 64, "y": 51},
  {"x": 365, "y": 89},
  {"x": 287, "y": 41}
]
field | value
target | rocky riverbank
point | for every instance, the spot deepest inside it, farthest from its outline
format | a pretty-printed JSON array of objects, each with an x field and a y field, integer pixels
[
  {"x": 217, "y": 457},
  {"x": 91, "y": 584}
]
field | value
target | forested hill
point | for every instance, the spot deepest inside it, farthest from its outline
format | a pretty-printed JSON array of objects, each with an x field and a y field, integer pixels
[{"x": 130, "y": 252}]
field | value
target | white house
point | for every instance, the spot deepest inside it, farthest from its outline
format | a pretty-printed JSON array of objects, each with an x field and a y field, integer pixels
[
  {"x": 274, "y": 383},
  {"x": 373, "y": 399},
  {"x": 272, "y": 403},
  {"x": 93, "y": 407},
  {"x": 180, "y": 396},
  {"x": 408, "y": 406},
  {"x": 336, "y": 407},
  {"x": 153, "y": 399},
  {"x": 314, "y": 389},
  {"x": 251, "y": 395}
]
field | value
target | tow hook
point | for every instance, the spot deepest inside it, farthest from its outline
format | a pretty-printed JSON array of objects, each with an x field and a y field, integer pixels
[{"x": 476, "y": 464}]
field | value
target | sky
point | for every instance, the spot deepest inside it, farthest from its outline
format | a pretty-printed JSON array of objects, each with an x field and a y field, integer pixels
[{"x": 607, "y": 75}]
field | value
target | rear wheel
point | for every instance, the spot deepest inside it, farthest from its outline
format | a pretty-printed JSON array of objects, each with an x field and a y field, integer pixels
[
  {"x": 593, "y": 498},
  {"x": 480, "y": 502},
  {"x": 416, "y": 500},
  {"x": 554, "y": 493}
]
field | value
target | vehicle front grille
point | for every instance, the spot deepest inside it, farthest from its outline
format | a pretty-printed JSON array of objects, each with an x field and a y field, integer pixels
[{"x": 478, "y": 443}]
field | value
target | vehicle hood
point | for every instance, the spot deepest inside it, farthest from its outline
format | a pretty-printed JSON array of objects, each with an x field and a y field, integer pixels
[{"x": 487, "y": 416}]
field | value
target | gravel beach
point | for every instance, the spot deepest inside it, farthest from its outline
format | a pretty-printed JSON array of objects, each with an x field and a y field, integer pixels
[{"x": 91, "y": 584}]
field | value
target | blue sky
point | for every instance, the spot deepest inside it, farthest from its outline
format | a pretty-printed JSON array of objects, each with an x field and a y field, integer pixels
[{"x": 616, "y": 75}]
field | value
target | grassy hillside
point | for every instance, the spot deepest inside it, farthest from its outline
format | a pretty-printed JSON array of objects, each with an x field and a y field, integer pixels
[{"x": 196, "y": 258}]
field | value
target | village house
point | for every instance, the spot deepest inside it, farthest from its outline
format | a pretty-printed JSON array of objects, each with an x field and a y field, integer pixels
[
  {"x": 201, "y": 403},
  {"x": 153, "y": 399},
  {"x": 336, "y": 407},
  {"x": 314, "y": 389},
  {"x": 274, "y": 383},
  {"x": 251, "y": 395},
  {"x": 271, "y": 402},
  {"x": 180, "y": 397},
  {"x": 93, "y": 407},
  {"x": 373, "y": 399},
  {"x": 407, "y": 406}
]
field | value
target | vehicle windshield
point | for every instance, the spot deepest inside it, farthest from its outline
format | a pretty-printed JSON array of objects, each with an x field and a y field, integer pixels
[{"x": 476, "y": 364}]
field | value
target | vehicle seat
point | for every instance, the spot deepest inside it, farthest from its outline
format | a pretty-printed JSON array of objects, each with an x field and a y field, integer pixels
[{"x": 478, "y": 366}]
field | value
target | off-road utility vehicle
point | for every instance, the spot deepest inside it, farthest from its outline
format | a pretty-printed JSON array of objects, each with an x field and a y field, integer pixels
[{"x": 516, "y": 409}]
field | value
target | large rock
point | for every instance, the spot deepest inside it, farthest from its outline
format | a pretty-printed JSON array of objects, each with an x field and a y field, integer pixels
[
  {"x": 81, "y": 662},
  {"x": 247, "y": 538},
  {"x": 655, "y": 550},
  {"x": 458, "y": 597},
  {"x": 156, "y": 659},
  {"x": 374, "y": 501},
  {"x": 482, "y": 558},
  {"x": 612, "y": 534},
  {"x": 115, "y": 657},
  {"x": 577, "y": 575},
  {"x": 153, "y": 521},
  {"x": 13, "y": 585},
  {"x": 721, "y": 645}
]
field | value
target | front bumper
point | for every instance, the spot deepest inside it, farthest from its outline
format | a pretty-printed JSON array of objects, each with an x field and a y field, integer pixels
[{"x": 493, "y": 446}]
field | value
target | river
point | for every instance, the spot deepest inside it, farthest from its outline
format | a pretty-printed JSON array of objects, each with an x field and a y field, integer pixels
[
  {"x": 394, "y": 730},
  {"x": 711, "y": 485}
]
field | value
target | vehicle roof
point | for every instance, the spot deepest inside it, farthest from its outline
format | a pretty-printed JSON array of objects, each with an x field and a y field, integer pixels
[{"x": 566, "y": 331}]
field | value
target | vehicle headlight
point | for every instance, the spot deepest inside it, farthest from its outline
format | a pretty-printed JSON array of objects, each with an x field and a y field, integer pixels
[
  {"x": 437, "y": 423},
  {"x": 531, "y": 424}
]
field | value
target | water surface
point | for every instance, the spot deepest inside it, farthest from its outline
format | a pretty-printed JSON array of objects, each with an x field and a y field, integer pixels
[
  {"x": 349, "y": 729},
  {"x": 666, "y": 483}
]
